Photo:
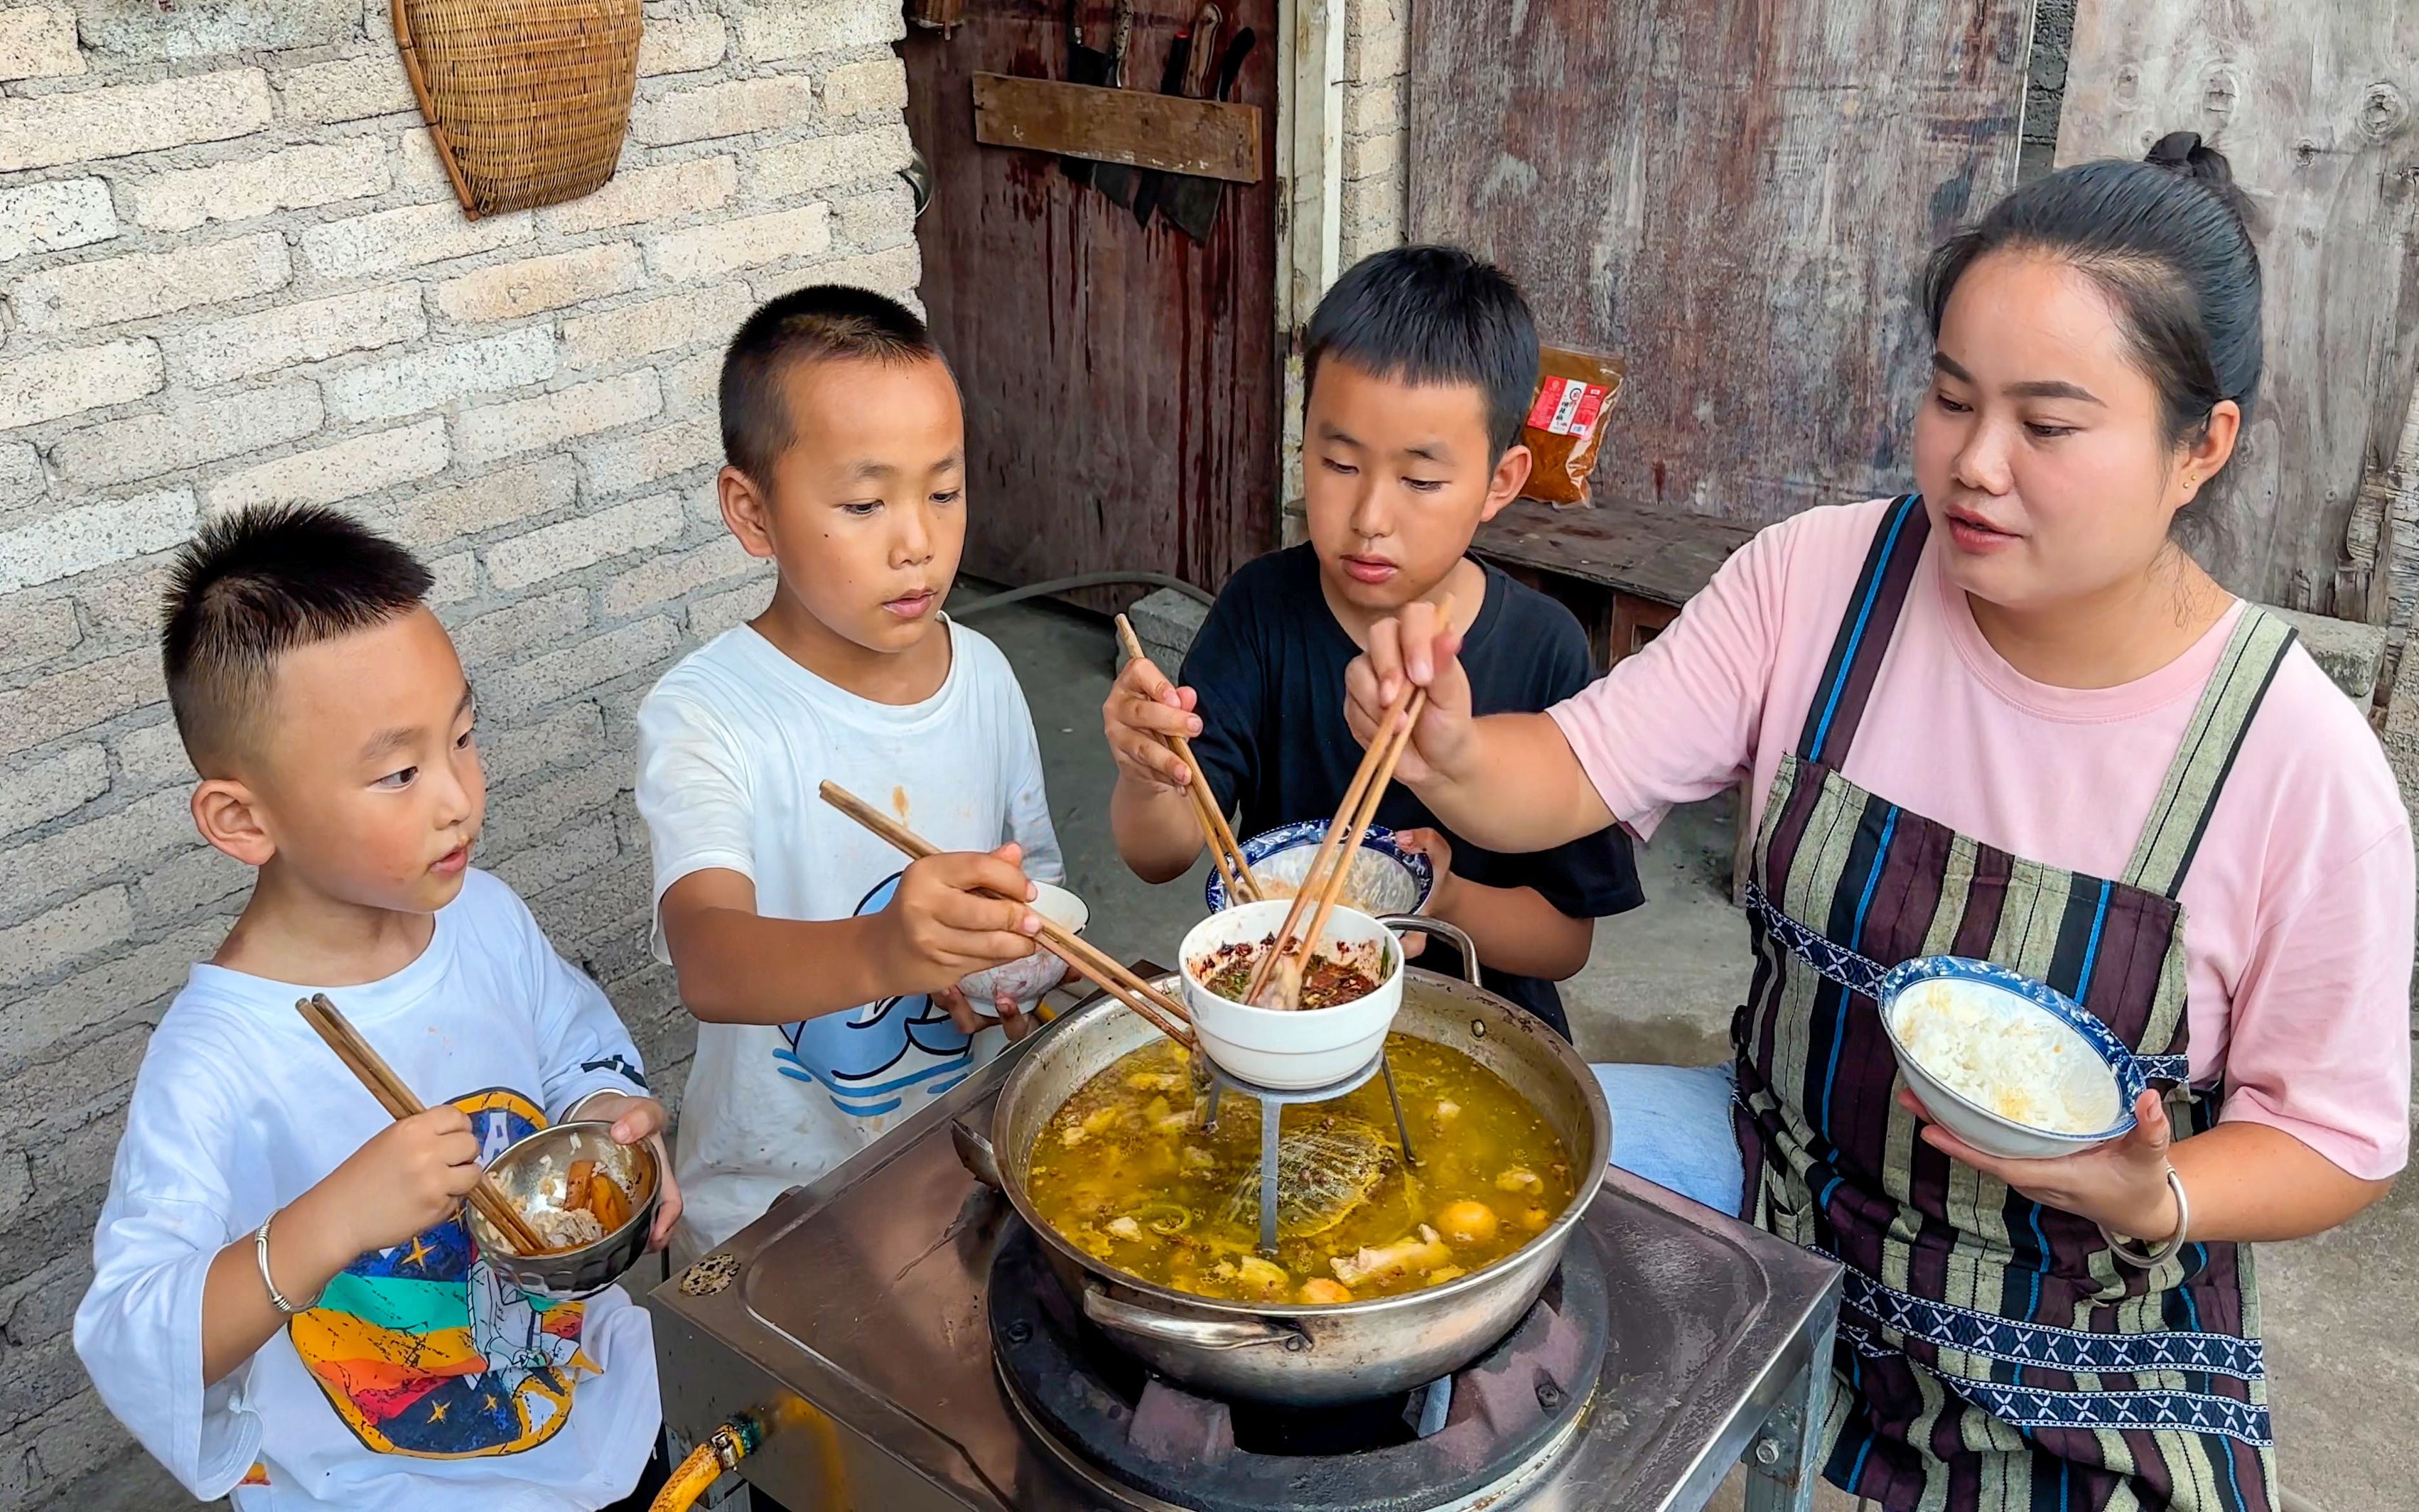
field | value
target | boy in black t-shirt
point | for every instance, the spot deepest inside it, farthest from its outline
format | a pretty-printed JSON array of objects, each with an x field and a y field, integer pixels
[{"x": 1421, "y": 364}]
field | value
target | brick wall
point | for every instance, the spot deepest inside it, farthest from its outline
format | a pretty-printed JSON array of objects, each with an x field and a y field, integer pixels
[
  {"x": 1377, "y": 127},
  {"x": 233, "y": 273}
]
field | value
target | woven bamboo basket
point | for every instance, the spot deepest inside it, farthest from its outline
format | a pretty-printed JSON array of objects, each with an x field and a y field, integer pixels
[{"x": 528, "y": 99}]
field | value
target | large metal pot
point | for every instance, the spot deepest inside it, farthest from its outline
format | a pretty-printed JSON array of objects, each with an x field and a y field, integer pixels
[{"x": 1293, "y": 1353}]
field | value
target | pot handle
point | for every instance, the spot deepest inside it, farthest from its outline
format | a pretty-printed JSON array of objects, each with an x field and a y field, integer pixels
[
  {"x": 1421, "y": 924},
  {"x": 1190, "y": 1333},
  {"x": 974, "y": 1152}
]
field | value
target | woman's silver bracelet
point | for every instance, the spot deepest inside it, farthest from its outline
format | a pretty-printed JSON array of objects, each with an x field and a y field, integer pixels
[
  {"x": 2143, "y": 1260},
  {"x": 261, "y": 1249}
]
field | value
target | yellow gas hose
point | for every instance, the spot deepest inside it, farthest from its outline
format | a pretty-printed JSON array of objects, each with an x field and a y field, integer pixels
[{"x": 706, "y": 1464}]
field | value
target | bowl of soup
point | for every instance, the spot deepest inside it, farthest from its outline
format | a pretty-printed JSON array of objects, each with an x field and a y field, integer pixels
[{"x": 1353, "y": 984}]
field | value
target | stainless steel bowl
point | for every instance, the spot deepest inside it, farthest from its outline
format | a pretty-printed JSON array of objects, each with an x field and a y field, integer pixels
[{"x": 534, "y": 1173}]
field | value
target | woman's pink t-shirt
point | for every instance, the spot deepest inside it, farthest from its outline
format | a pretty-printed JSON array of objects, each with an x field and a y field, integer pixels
[{"x": 2298, "y": 906}]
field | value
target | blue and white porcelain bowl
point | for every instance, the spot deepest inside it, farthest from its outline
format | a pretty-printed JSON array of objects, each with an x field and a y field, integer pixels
[
  {"x": 2078, "y": 1064},
  {"x": 1385, "y": 878}
]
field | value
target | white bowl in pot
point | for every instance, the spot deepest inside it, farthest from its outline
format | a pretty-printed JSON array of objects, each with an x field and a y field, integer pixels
[
  {"x": 1293, "y": 1049},
  {"x": 1030, "y": 977}
]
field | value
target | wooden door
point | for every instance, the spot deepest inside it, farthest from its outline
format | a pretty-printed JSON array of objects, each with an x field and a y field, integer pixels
[
  {"x": 1735, "y": 196},
  {"x": 1120, "y": 382}
]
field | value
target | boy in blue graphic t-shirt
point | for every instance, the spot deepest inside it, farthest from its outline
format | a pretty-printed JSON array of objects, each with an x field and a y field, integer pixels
[{"x": 821, "y": 968}]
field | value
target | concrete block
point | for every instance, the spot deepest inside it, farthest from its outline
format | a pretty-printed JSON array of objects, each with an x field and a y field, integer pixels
[
  {"x": 717, "y": 612},
  {"x": 49, "y": 1460},
  {"x": 56, "y": 216},
  {"x": 296, "y": 178},
  {"x": 129, "y": 836},
  {"x": 147, "y": 31},
  {"x": 55, "y": 384},
  {"x": 519, "y": 749},
  {"x": 628, "y": 462},
  {"x": 38, "y": 42},
  {"x": 2349, "y": 653},
  {"x": 189, "y": 882},
  {"x": 642, "y": 196},
  {"x": 1371, "y": 157},
  {"x": 456, "y": 578},
  {"x": 721, "y": 250},
  {"x": 768, "y": 33},
  {"x": 864, "y": 88},
  {"x": 680, "y": 44},
  {"x": 618, "y": 335},
  {"x": 94, "y": 536},
  {"x": 296, "y": 334},
  {"x": 53, "y": 939},
  {"x": 388, "y": 242},
  {"x": 122, "y": 119},
  {"x": 580, "y": 668},
  {"x": 550, "y": 419},
  {"x": 40, "y": 793},
  {"x": 1376, "y": 40},
  {"x": 22, "y": 478},
  {"x": 826, "y": 161},
  {"x": 124, "y": 605},
  {"x": 878, "y": 220},
  {"x": 110, "y": 290},
  {"x": 35, "y": 632},
  {"x": 41, "y": 1307},
  {"x": 579, "y": 853},
  {"x": 365, "y": 464},
  {"x": 351, "y": 89},
  {"x": 1164, "y": 622},
  {"x": 152, "y": 755},
  {"x": 435, "y": 376},
  {"x": 144, "y": 446},
  {"x": 518, "y": 493},
  {"x": 1374, "y": 109},
  {"x": 735, "y": 108},
  {"x": 894, "y": 271},
  {"x": 693, "y": 386},
  {"x": 668, "y": 577},
  {"x": 534, "y": 813},
  {"x": 66, "y": 1091},
  {"x": 510, "y": 290},
  {"x": 419, "y": 169},
  {"x": 552, "y": 551},
  {"x": 531, "y": 624}
]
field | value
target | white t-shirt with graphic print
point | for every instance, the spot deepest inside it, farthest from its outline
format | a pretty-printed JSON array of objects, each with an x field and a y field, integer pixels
[
  {"x": 732, "y": 746},
  {"x": 419, "y": 1379}
]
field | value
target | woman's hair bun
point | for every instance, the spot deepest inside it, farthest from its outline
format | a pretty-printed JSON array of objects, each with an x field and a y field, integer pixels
[{"x": 2184, "y": 152}]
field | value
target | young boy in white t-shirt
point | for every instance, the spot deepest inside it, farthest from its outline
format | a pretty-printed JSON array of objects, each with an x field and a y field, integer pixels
[
  {"x": 821, "y": 969},
  {"x": 286, "y": 1305}
]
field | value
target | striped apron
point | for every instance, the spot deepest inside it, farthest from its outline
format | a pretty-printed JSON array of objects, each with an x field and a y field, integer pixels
[{"x": 1993, "y": 1353}]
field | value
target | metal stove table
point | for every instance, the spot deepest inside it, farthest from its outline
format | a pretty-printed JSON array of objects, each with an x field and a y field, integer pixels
[{"x": 852, "y": 1324}]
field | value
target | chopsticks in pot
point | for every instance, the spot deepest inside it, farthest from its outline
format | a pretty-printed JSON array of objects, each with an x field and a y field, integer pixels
[
  {"x": 1331, "y": 868},
  {"x": 1165, "y": 1014},
  {"x": 1233, "y": 870},
  {"x": 398, "y": 1099}
]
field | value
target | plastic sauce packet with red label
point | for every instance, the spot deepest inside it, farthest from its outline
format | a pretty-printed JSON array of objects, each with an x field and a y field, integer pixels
[{"x": 1565, "y": 423}]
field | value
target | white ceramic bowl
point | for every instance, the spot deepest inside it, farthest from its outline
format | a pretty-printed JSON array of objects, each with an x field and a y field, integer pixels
[
  {"x": 2099, "y": 1057},
  {"x": 1302, "y": 1048},
  {"x": 1029, "y": 978}
]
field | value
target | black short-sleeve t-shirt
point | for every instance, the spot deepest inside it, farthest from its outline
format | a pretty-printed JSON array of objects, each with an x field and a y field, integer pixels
[{"x": 1268, "y": 667}]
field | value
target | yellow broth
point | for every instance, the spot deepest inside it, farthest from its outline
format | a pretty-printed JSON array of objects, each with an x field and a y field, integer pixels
[{"x": 1125, "y": 1172}]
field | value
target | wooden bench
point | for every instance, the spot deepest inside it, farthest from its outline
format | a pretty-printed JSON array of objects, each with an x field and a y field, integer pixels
[{"x": 1625, "y": 570}]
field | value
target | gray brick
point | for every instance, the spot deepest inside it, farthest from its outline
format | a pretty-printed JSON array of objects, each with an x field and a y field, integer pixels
[
  {"x": 16, "y": 1183},
  {"x": 36, "y": 794},
  {"x": 113, "y": 290},
  {"x": 386, "y": 242},
  {"x": 94, "y": 535},
  {"x": 720, "y": 250},
  {"x": 552, "y": 551},
  {"x": 48, "y": 1457},
  {"x": 547, "y": 421},
  {"x": 54, "y": 217},
  {"x": 576, "y": 668},
  {"x": 146, "y": 446},
  {"x": 610, "y": 337},
  {"x": 587, "y": 908},
  {"x": 54, "y": 385},
  {"x": 36, "y": 632},
  {"x": 1371, "y": 157},
  {"x": 365, "y": 464},
  {"x": 895, "y": 272},
  {"x": 40, "y": 1376},
  {"x": 709, "y": 617},
  {"x": 864, "y": 88},
  {"x": 21, "y": 475},
  {"x": 680, "y": 44},
  {"x": 826, "y": 161},
  {"x": 771, "y": 33},
  {"x": 78, "y": 698},
  {"x": 296, "y": 334},
  {"x": 457, "y": 577},
  {"x": 152, "y": 755},
  {"x": 293, "y": 179},
  {"x": 75, "y": 857},
  {"x": 136, "y": 986},
  {"x": 42, "y": 1305},
  {"x": 512, "y": 751},
  {"x": 510, "y": 290},
  {"x": 531, "y": 624},
  {"x": 693, "y": 386},
  {"x": 193, "y": 880},
  {"x": 38, "y": 42},
  {"x": 534, "y": 813},
  {"x": 735, "y": 108},
  {"x": 878, "y": 219},
  {"x": 419, "y": 168},
  {"x": 112, "y": 122},
  {"x": 628, "y": 462},
  {"x": 435, "y": 376},
  {"x": 123, "y": 603},
  {"x": 524, "y": 492},
  {"x": 638, "y": 196},
  {"x": 565, "y": 855},
  {"x": 62, "y": 1093},
  {"x": 144, "y": 31},
  {"x": 53, "y": 939},
  {"x": 668, "y": 577},
  {"x": 373, "y": 85},
  {"x": 59, "y": 1218}
]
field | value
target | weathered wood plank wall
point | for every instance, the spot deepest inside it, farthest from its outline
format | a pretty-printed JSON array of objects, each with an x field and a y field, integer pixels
[
  {"x": 2313, "y": 102},
  {"x": 1734, "y": 196}
]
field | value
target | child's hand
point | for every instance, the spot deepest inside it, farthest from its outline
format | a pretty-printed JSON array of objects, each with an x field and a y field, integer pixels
[
  {"x": 634, "y": 1118},
  {"x": 1415, "y": 650},
  {"x": 940, "y": 927},
  {"x": 1142, "y": 710},
  {"x": 971, "y": 1021},
  {"x": 411, "y": 1176}
]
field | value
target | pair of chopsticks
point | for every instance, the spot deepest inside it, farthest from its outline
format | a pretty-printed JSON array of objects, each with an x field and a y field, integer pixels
[
  {"x": 1331, "y": 868},
  {"x": 1165, "y": 1014},
  {"x": 397, "y": 1100},
  {"x": 1233, "y": 870}
]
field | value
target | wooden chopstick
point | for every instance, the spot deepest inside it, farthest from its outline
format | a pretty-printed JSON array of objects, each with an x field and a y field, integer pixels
[
  {"x": 398, "y": 1100},
  {"x": 1233, "y": 868},
  {"x": 1165, "y": 1014},
  {"x": 1350, "y": 849}
]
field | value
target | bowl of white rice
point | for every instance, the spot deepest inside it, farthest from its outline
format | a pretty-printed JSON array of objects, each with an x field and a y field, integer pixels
[{"x": 2013, "y": 1066}]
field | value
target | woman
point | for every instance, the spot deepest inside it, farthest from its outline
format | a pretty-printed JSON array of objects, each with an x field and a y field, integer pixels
[{"x": 2009, "y": 717}]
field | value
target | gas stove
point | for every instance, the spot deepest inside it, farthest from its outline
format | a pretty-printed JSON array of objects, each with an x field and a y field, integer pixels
[{"x": 894, "y": 1328}]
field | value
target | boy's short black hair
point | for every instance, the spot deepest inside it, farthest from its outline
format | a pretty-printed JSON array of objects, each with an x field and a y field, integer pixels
[
  {"x": 821, "y": 323},
  {"x": 259, "y": 583},
  {"x": 1432, "y": 315}
]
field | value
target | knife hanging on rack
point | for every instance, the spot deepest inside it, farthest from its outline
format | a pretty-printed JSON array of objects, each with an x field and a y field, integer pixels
[
  {"x": 1084, "y": 65},
  {"x": 1187, "y": 74},
  {"x": 1117, "y": 180},
  {"x": 1191, "y": 203}
]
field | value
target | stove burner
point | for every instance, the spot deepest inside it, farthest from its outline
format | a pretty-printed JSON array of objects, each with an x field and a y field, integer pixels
[{"x": 1512, "y": 1407}]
